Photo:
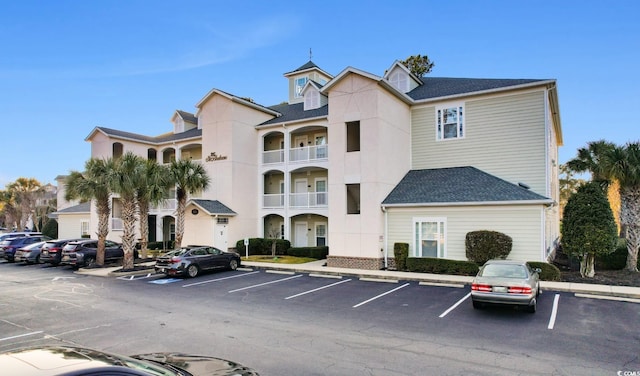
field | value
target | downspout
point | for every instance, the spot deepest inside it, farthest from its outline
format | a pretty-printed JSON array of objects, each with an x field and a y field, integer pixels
[{"x": 384, "y": 238}]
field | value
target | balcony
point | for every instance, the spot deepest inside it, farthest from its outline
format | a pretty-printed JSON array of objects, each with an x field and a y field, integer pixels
[
  {"x": 273, "y": 201},
  {"x": 308, "y": 153},
  {"x": 308, "y": 200},
  {"x": 165, "y": 205},
  {"x": 273, "y": 156}
]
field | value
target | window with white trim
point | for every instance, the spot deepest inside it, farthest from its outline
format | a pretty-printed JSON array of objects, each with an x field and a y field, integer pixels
[
  {"x": 84, "y": 228},
  {"x": 429, "y": 236},
  {"x": 450, "y": 122},
  {"x": 298, "y": 85},
  {"x": 321, "y": 234}
]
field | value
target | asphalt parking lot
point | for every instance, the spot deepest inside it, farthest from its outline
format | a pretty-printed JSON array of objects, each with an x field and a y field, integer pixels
[{"x": 567, "y": 330}]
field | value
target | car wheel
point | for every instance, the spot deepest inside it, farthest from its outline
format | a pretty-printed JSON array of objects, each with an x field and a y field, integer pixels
[
  {"x": 538, "y": 292},
  {"x": 532, "y": 307},
  {"x": 233, "y": 264},
  {"x": 89, "y": 262},
  {"x": 37, "y": 259},
  {"x": 476, "y": 305},
  {"x": 192, "y": 270}
]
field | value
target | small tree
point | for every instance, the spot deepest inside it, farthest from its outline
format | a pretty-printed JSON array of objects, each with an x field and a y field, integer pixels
[
  {"x": 588, "y": 227},
  {"x": 274, "y": 234},
  {"x": 418, "y": 65}
]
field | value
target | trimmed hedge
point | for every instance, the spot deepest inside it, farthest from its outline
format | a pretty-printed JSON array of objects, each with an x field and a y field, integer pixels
[
  {"x": 484, "y": 245},
  {"x": 616, "y": 260},
  {"x": 262, "y": 246},
  {"x": 401, "y": 253},
  {"x": 50, "y": 229},
  {"x": 549, "y": 271},
  {"x": 441, "y": 266},
  {"x": 312, "y": 252}
]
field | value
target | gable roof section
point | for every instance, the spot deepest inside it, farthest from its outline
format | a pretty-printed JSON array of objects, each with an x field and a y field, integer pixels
[
  {"x": 212, "y": 207},
  {"x": 164, "y": 138},
  {"x": 234, "y": 98},
  {"x": 458, "y": 186},
  {"x": 187, "y": 116},
  {"x": 438, "y": 87},
  {"x": 84, "y": 207},
  {"x": 295, "y": 112}
]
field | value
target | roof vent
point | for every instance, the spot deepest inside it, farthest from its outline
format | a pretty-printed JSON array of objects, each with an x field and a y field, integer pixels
[{"x": 523, "y": 185}]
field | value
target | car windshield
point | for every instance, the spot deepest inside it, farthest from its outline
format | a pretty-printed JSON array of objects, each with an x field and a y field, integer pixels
[{"x": 504, "y": 271}]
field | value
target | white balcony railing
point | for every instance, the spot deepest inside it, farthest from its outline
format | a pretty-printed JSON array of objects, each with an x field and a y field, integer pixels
[
  {"x": 117, "y": 224},
  {"x": 273, "y": 156},
  {"x": 308, "y": 153},
  {"x": 168, "y": 204},
  {"x": 308, "y": 200},
  {"x": 273, "y": 201}
]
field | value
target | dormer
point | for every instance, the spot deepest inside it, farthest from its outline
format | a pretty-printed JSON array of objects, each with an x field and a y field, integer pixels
[
  {"x": 183, "y": 121},
  {"x": 401, "y": 78},
  {"x": 301, "y": 76},
  {"x": 313, "y": 98}
]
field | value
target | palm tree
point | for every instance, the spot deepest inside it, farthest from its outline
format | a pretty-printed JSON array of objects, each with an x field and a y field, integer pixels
[
  {"x": 25, "y": 191},
  {"x": 93, "y": 184},
  {"x": 151, "y": 190},
  {"x": 590, "y": 159},
  {"x": 189, "y": 177},
  {"x": 125, "y": 180},
  {"x": 622, "y": 163}
]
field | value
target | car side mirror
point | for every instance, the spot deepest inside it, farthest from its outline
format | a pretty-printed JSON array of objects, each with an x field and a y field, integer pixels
[{"x": 537, "y": 270}]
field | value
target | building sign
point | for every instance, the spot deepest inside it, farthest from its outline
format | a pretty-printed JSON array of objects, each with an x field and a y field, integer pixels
[{"x": 215, "y": 157}]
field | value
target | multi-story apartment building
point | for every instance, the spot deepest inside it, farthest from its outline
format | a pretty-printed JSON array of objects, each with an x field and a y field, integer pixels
[{"x": 359, "y": 162}]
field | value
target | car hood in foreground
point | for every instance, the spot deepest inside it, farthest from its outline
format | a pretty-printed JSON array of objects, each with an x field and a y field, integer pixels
[{"x": 199, "y": 365}]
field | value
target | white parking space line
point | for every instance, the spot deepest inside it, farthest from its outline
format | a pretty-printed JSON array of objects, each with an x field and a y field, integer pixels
[
  {"x": 554, "y": 312},
  {"x": 218, "y": 279},
  {"x": 607, "y": 297},
  {"x": 21, "y": 335},
  {"x": 455, "y": 305},
  {"x": 314, "y": 290},
  {"x": 380, "y": 296},
  {"x": 266, "y": 283}
]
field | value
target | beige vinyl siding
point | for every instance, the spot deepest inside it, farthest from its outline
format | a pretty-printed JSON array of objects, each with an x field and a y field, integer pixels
[
  {"x": 504, "y": 136},
  {"x": 523, "y": 223}
]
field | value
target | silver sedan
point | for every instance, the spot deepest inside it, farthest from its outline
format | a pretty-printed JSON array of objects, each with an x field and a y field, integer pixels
[{"x": 506, "y": 282}]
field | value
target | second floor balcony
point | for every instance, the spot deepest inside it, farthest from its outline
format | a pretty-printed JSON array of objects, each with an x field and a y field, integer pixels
[
  {"x": 300, "y": 154},
  {"x": 296, "y": 200}
]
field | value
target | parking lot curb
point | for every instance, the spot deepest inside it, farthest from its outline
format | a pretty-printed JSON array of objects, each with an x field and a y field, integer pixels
[{"x": 319, "y": 268}]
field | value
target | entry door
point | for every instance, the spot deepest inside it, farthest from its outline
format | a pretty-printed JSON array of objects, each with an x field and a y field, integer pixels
[
  {"x": 301, "y": 234},
  {"x": 220, "y": 238},
  {"x": 301, "y": 196}
]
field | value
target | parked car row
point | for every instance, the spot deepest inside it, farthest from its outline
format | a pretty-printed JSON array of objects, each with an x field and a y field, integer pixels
[{"x": 35, "y": 248}]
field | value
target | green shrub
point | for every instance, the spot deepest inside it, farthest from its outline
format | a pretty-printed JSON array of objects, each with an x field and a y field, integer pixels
[
  {"x": 261, "y": 246},
  {"x": 616, "y": 260},
  {"x": 441, "y": 266},
  {"x": 50, "y": 229},
  {"x": 318, "y": 253},
  {"x": 549, "y": 271},
  {"x": 482, "y": 246},
  {"x": 401, "y": 253}
]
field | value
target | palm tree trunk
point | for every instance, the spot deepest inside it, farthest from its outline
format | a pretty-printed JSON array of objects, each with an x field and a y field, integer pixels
[
  {"x": 630, "y": 218},
  {"x": 128, "y": 234},
  {"x": 103, "y": 229},
  {"x": 182, "y": 203},
  {"x": 143, "y": 207}
]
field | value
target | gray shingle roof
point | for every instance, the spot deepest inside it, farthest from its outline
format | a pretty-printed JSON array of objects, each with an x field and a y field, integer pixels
[
  {"x": 435, "y": 87},
  {"x": 213, "y": 206},
  {"x": 85, "y": 207},
  {"x": 188, "y": 116},
  {"x": 167, "y": 137},
  {"x": 292, "y": 112},
  {"x": 457, "y": 185},
  {"x": 308, "y": 65}
]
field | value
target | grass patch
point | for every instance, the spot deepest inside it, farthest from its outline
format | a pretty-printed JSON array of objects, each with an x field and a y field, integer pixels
[{"x": 279, "y": 259}]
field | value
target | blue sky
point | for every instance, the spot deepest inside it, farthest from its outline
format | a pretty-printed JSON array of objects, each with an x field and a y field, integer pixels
[{"x": 69, "y": 66}]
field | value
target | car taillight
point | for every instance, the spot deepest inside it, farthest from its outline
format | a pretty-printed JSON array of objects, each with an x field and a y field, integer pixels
[
  {"x": 175, "y": 260},
  {"x": 54, "y": 250},
  {"x": 520, "y": 290},
  {"x": 480, "y": 287}
]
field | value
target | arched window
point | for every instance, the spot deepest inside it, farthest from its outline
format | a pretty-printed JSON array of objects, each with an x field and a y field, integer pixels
[{"x": 117, "y": 150}]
